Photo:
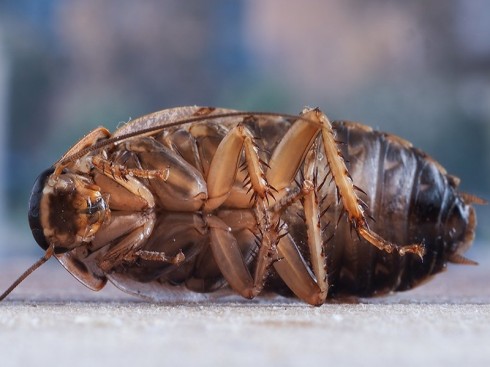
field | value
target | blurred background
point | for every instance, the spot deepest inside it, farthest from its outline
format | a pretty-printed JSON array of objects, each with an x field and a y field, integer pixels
[{"x": 419, "y": 69}]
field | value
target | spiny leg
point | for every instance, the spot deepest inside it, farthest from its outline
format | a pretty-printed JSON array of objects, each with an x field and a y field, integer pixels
[
  {"x": 294, "y": 271},
  {"x": 229, "y": 258},
  {"x": 288, "y": 158},
  {"x": 284, "y": 165},
  {"x": 290, "y": 265},
  {"x": 221, "y": 177},
  {"x": 286, "y": 258},
  {"x": 291, "y": 152},
  {"x": 312, "y": 214},
  {"x": 224, "y": 167},
  {"x": 345, "y": 187}
]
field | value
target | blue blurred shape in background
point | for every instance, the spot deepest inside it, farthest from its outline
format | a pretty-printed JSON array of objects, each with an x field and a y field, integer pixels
[{"x": 420, "y": 69}]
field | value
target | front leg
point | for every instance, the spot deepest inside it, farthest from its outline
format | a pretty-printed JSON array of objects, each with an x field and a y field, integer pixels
[
  {"x": 130, "y": 249},
  {"x": 130, "y": 222},
  {"x": 121, "y": 172},
  {"x": 128, "y": 246}
]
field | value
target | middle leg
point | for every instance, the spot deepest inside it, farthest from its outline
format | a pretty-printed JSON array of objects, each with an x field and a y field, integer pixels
[{"x": 221, "y": 177}]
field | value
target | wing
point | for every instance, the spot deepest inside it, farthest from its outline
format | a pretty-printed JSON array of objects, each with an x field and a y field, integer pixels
[
  {"x": 154, "y": 123},
  {"x": 176, "y": 116}
]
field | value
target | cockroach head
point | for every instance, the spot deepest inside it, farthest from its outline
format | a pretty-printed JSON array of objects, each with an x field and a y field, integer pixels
[{"x": 65, "y": 210}]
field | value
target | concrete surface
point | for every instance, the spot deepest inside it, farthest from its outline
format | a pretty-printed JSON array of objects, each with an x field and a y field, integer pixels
[{"x": 52, "y": 320}]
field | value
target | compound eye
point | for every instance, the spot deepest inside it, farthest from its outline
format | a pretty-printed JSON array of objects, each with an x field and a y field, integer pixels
[{"x": 34, "y": 208}]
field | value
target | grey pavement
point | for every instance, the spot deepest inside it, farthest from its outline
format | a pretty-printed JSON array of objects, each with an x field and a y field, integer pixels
[{"x": 52, "y": 320}]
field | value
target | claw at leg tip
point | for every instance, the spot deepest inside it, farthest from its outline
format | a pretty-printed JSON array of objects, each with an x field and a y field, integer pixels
[{"x": 417, "y": 249}]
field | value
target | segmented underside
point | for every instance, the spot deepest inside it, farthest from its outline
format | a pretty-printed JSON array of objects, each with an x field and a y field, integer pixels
[{"x": 408, "y": 196}]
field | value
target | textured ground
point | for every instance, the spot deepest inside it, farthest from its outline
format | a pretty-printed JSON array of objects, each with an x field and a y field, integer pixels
[{"x": 52, "y": 320}]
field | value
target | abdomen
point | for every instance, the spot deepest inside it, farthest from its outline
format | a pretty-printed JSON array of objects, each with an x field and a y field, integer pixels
[{"x": 408, "y": 196}]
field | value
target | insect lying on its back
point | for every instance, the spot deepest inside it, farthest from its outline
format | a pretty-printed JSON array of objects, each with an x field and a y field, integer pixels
[{"x": 202, "y": 198}]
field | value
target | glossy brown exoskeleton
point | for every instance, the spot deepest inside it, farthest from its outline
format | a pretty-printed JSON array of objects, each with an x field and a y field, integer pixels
[{"x": 203, "y": 198}]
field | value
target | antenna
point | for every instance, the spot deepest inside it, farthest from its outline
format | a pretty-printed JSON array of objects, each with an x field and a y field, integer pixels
[{"x": 37, "y": 264}]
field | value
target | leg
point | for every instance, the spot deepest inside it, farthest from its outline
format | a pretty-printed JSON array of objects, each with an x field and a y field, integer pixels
[
  {"x": 128, "y": 250},
  {"x": 298, "y": 141},
  {"x": 222, "y": 176},
  {"x": 290, "y": 265},
  {"x": 294, "y": 271},
  {"x": 229, "y": 258},
  {"x": 131, "y": 234},
  {"x": 313, "y": 228},
  {"x": 224, "y": 167},
  {"x": 351, "y": 202},
  {"x": 126, "y": 192},
  {"x": 176, "y": 185},
  {"x": 122, "y": 172},
  {"x": 132, "y": 241},
  {"x": 220, "y": 180},
  {"x": 156, "y": 256}
]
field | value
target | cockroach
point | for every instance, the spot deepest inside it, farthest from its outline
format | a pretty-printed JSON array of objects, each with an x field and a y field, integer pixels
[{"x": 200, "y": 198}]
